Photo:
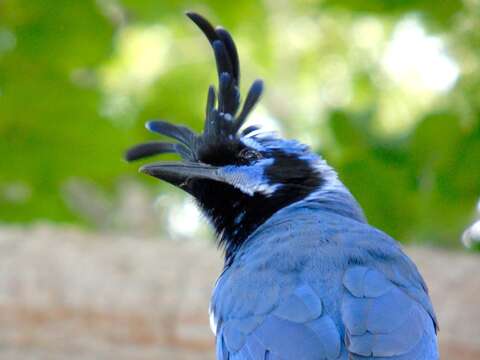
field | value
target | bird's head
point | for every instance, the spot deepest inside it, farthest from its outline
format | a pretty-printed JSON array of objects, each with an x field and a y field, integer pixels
[{"x": 238, "y": 177}]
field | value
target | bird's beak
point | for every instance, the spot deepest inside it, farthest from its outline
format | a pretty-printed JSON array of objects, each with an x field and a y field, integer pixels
[{"x": 180, "y": 173}]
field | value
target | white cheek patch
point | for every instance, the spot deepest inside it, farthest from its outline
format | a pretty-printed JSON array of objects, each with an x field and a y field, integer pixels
[
  {"x": 251, "y": 143},
  {"x": 250, "y": 179},
  {"x": 267, "y": 189},
  {"x": 264, "y": 189},
  {"x": 247, "y": 185}
]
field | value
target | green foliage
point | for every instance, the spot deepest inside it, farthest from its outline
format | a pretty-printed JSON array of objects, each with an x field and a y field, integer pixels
[
  {"x": 50, "y": 126},
  {"x": 421, "y": 186},
  {"x": 74, "y": 95},
  {"x": 438, "y": 13}
]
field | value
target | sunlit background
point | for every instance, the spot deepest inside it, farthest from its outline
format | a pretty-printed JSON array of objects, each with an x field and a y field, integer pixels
[{"x": 387, "y": 91}]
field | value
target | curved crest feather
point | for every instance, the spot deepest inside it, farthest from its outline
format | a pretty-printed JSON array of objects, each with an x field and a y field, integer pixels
[{"x": 221, "y": 121}]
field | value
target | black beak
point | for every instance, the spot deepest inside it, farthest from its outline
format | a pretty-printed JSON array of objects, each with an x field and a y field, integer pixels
[{"x": 180, "y": 173}]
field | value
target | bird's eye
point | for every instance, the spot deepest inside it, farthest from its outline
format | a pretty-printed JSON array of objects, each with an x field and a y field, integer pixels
[{"x": 249, "y": 155}]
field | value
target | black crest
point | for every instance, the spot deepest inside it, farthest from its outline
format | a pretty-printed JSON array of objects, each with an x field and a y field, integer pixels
[{"x": 223, "y": 119}]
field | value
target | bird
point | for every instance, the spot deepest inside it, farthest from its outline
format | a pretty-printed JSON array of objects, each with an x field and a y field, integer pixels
[{"x": 305, "y": 276}]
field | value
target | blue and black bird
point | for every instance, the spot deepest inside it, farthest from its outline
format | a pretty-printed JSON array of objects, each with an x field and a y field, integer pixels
[{"x": 305, "y": 275}]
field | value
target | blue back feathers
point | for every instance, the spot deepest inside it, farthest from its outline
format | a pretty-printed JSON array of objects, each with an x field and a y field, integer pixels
[{"x": 311, "y": 283}]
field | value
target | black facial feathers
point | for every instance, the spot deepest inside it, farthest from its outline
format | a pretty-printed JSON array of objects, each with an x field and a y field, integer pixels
[{"x": 236, "y": 215}]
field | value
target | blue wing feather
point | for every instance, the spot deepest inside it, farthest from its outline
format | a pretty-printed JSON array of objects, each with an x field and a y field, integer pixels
[
  {"x": 295, "y": 329},
  {"x": 302, "y": 306},
  {"x": 381, "y": 320},
  {"x": 221, "y": 349}
]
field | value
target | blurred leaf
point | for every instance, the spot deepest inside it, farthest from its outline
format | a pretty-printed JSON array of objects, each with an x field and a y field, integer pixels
[
  {"x": 324, "y": 60},
  {"x": 439, "y": 13}
]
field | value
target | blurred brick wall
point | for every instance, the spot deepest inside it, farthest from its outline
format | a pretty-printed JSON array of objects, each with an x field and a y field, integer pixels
[{"x": 66, "y": 294}]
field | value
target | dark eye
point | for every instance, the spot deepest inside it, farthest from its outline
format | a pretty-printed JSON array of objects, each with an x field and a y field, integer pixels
[{"x": 249, "y": 155}]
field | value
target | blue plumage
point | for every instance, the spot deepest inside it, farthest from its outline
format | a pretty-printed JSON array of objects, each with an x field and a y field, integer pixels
[
  {"x": 326, "y": 287},
  {"x": 305, "y": 276}
]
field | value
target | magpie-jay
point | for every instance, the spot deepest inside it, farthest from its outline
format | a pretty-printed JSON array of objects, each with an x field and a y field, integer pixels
[{"x": 305, "y": 275}]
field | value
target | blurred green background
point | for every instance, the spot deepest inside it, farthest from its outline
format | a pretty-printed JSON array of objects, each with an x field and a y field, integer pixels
[{"x": 387, "y": 91}]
